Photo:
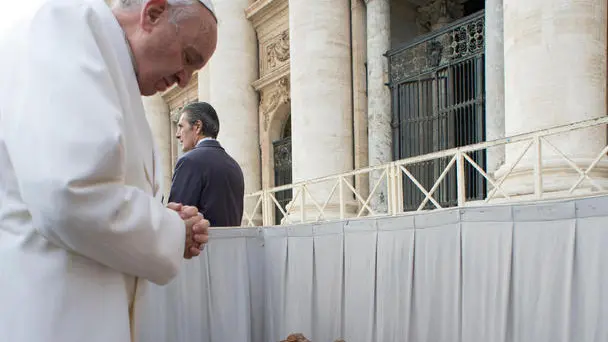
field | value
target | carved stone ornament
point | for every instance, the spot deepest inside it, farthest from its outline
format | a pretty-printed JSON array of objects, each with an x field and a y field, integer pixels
[
  {"x": 438, "y": 13},
  {"x": 434, "y": 52},
  {"x": 175, "y": 115},
  {"x": 456, "y": 42},
  {"x": 270, "y": 101},
  {"x": 277, "y": 52}
]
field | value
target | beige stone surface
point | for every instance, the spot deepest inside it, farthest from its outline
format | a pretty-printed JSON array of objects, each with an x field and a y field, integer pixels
[
  {"x": 321, "y": 86},
  {"x": 157, "y": 114},
  {"x": 270, "y": 19},
  {"x": 379, "y": 97},
  {"x": 555, "y": 73},
  {"x": 359, "y": 58},
  {"x": 495, "y": 81}
]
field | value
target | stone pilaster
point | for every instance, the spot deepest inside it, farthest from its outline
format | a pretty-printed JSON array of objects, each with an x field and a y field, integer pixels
[
  {"x": 232, "y": 69},
  {"x": 379, "y": 98},
  {"x": 157, "y": 114},
  {"x": 494, "y": 81},
  {"x": 555, "y": 73},
  {"x": 204, "y": 86},
  {"x": 359, "y": 59},
  {"x": 321, "y": 103}
]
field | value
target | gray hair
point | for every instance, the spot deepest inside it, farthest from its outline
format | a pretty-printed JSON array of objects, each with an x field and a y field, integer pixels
[
  {"x": 206, "y": 114},
  {"x": 178, "y": 9}
]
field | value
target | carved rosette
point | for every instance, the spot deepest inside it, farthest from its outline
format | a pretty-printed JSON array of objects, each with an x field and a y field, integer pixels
[
  {"x": 276, "y": 52},
  {"x": 273, "y": 98}
]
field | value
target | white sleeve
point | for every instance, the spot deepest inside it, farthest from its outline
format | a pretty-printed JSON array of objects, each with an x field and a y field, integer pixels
[{"x": 64, "y": 133}]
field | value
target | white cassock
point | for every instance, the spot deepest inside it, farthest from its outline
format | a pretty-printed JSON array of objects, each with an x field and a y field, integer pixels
[{"x": 82, "y": 227}]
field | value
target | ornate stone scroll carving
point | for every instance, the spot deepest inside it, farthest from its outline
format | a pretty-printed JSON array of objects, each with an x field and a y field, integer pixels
[
  {"x": 277, "y": 52},
  {"x": 274, "y": 98}
]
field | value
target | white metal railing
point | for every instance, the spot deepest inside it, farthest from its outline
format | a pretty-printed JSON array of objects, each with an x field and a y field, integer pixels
[{"x": 350, "y": 203}]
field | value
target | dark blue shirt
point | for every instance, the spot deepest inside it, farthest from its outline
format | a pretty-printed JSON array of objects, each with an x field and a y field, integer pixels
[{"x": 211, "y": 180}]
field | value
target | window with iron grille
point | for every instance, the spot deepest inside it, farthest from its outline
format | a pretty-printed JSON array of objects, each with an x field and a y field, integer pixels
[
  {"x": 282, "y": 170},
  {"x": 437, "y": 88}
]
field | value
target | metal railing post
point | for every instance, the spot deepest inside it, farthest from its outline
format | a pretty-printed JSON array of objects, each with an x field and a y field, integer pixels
[
  {"x": 342, "y": 204},
  {"x": 302, "y": 203},
  {"x": 460, "y": 179},
  {"x": 538, "y": 165}
]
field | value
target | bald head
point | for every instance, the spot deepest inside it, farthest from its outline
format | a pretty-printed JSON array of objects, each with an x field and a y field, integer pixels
[
  {"x": 169, "y": 39},
  {"x": 131, "y": 4}
]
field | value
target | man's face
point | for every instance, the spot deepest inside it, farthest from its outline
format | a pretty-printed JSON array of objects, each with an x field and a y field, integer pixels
[
  {"x": 187, "y": 134},
  {"x": 167, "y": 53}
]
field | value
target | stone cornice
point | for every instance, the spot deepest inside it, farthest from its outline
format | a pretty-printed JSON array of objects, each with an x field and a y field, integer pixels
[
  {"x": 262, "y": 10},
  {"x": 271, "y": 77}
]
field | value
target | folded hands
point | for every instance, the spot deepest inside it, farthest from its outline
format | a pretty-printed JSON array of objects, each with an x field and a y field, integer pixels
[{"x": 197, "y": 229}]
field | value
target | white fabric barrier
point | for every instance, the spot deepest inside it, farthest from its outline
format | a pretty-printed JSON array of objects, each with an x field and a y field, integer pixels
[{"x": 524, "y": 273}]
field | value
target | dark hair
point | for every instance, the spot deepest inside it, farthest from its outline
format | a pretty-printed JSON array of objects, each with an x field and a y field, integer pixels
[{"x": 203, "y": 112}]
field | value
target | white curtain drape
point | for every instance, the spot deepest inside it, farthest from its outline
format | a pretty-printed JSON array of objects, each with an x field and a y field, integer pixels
[{"x": 524, "y": 273}]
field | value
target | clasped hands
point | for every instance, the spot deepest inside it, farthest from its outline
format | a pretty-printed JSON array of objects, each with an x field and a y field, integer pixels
[{"x": 197, "y": 227}]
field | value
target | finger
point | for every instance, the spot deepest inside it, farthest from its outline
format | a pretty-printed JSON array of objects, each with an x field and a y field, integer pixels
[
  {"x": 201, "y": 227},
  {"x": 188, "y": 211},
  {"x": 201, "y": 238},
  {"x": 192, "y": 223},
  {"x": 174, "y": 206},
  {"x": 194, "y": 251}
]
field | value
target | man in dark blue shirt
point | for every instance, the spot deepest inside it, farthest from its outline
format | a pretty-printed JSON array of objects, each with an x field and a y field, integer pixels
[{"x": 206, "y": 176}]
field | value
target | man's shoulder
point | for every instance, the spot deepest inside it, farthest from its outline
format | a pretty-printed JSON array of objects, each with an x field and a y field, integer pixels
[
  {"x": 203, "y": 154},
  {"x": 196, "y": 154},
  {"x": 193, "y": 158},
  {"x": 186, "y": 159},
  {"x": 204, "y": 151}
]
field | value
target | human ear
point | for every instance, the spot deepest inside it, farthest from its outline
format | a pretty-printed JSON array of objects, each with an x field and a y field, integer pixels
[
  {"x": 199, "y": 130},
  {"x": 152, "y": 13}
]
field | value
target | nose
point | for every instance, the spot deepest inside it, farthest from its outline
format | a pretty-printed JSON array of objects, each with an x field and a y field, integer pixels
[{"x": 183, "y": 78}]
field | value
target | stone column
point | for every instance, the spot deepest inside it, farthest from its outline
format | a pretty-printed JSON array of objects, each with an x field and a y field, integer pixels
[
  {"x": 232, "y": 69},
  {"x": 378, "y": 96},
  {"x": 321, "y": 103},
  {"x": 204, "y": 88},
  {"x": 494, "y": 82},
  {"x": 157, "y": 113},
  {"x": 359, "y": 47},
  {"x": 555, "y": 73}
]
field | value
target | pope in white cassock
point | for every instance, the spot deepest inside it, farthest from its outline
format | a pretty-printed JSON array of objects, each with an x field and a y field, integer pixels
[{"x": 82, "y": 226}]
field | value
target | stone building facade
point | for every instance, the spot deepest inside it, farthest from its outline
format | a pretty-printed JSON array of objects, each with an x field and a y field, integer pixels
[{"x": 307, "y": 89}]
